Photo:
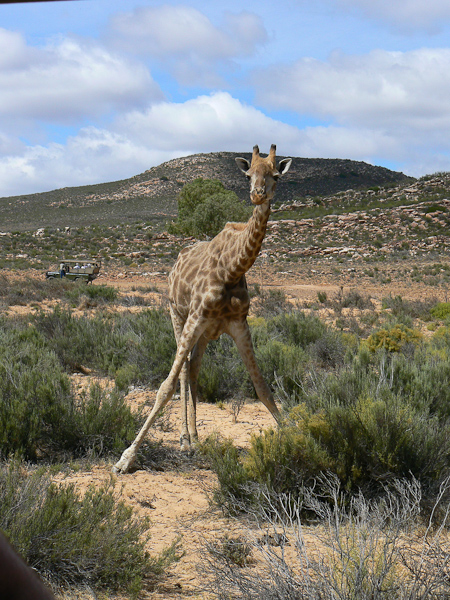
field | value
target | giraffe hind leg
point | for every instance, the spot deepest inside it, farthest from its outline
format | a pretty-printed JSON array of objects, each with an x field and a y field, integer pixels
[
  {"x": 178, "y": 325},
  {"x": 185, "y": 443},
  {"x": 194, "y": 368}
]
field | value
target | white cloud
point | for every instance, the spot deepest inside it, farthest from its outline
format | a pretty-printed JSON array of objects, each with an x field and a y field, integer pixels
[
  {"x": 13, "y": 50},
  {"x": 215, "y": 122},
  {"x": 67, "y": 80},
  {"x": 93, "y": 156},
  {"x": 186, "y": 41},
  {"x": 345, "y": 142},
  {"x": 404, "y": 14},
  {"x": 385, "y": 90}
]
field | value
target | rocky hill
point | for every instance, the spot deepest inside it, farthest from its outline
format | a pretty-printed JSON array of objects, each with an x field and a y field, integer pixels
[
  {"x": 152, "y": 194},
  {"x": 395, "y": 221}
]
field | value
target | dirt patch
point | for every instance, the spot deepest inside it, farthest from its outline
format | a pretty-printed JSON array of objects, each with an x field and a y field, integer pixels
[{"x": 176, "y": 499}]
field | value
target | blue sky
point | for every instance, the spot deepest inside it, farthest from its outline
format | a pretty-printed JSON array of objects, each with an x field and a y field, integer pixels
[{"x": 100, "y": 90}]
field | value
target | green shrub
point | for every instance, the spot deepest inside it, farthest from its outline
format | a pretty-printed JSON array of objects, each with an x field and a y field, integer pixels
[
  {"x": 441, "y": 310},
  {"x": 379, "y": 440},
  {"x": 226, "y": 462},
  {"x": 366, "y": 445},
  {"x": 99, "y": 293},
  {"x": 142, "y": 344},
  {"x": 281, "y": 363},
  {"x": 93, "y": 539},
  {"x": 205, "y": 206},
  {"x": 393, "y": 339},
  {"x": 296, "y": 328},
  {"x": 151, "y": 345},
  {"x": 223, "y": 374},
  {"x": 284, "y": 459},
  {"x": 283, "y": 345},
  {"x": 82, "y": 341},
  {"x": 378, "y": 417},
  {"x": 329, "y": 349},
  {"x": 354, "y": 299},
  {"x": 402, "y": 309},
  {"x": 103, "y": 422},
  {"x": 125, "y": 376},
  {"x": 22, "y": 291},
  {"x": 39, "y": 413}
]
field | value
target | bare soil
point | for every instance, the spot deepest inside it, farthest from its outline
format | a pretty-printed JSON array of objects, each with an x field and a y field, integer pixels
[{"x": 177, "y": 499}]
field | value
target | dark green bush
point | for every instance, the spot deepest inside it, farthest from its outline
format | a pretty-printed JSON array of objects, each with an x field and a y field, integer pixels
[
  {"x": 205, "y": 206},
  {"x": 296, "y": 328},
  {"x": 22, "y": 291},
  {"x": 329, "y": 349},
  {"x": 281, "y": 364},
  {"x": 226, "y": 462},
  {"x": 366, "y": 445},
  {"x": 150, "y": 343},
  {"x": 401, "y": 308},
  {"x": 285, "y": 458},
  {"x": 73, "y": 539},
  {"x": 283, "y": 343},
  {"x": 142, "y": 344},
  {"x": 39, "y": 413},
  {"x": 379, "y": 440},
  {"x": 83, "y": 341}
]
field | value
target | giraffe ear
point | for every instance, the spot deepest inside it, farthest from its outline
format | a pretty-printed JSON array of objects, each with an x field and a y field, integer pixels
[
  {"x": 243, "y": 164},
  {"x": 284, "y": 165}
]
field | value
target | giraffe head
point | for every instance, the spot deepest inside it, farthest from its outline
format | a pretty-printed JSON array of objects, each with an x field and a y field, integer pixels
[{"x": 263, "y": 174}]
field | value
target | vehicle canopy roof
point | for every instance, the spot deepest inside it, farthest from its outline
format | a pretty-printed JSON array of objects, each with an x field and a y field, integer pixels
[{"x": 80, "y": 260}]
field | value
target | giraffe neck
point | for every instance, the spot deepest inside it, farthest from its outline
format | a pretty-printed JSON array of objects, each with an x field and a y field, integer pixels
[{"x": 247, "y": 243}]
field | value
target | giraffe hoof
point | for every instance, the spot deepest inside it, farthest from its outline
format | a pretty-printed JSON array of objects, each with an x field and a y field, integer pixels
[
  {"x": 126, "y": 461},
  {"x": 185, "y": 445}
]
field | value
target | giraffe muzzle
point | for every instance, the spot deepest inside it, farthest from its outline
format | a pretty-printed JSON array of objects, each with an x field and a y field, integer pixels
[{"x": 258, "y": 195}]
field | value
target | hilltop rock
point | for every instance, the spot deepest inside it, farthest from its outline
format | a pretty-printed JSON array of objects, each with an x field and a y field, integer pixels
[{"x": 307, "y": 176}]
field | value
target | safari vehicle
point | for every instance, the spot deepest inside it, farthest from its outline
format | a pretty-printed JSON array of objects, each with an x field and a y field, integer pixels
[{"x": 81, "y": 270}]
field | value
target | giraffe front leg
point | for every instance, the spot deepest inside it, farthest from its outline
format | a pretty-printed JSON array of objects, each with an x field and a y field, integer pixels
[
  {"x": 165, "y": 393},
  {"x": 240, "y": 333},
  {"x": 191, "y": 332}
]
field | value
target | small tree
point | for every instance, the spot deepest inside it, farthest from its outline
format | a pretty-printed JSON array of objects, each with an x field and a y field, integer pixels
[{"x": 205, "y": 206}]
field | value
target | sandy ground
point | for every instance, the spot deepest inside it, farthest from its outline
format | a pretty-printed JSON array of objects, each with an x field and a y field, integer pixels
[{"x": 176, "y": 499}]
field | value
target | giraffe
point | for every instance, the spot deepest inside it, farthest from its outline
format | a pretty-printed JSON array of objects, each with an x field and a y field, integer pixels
[{"x": 208, "y": 296}]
